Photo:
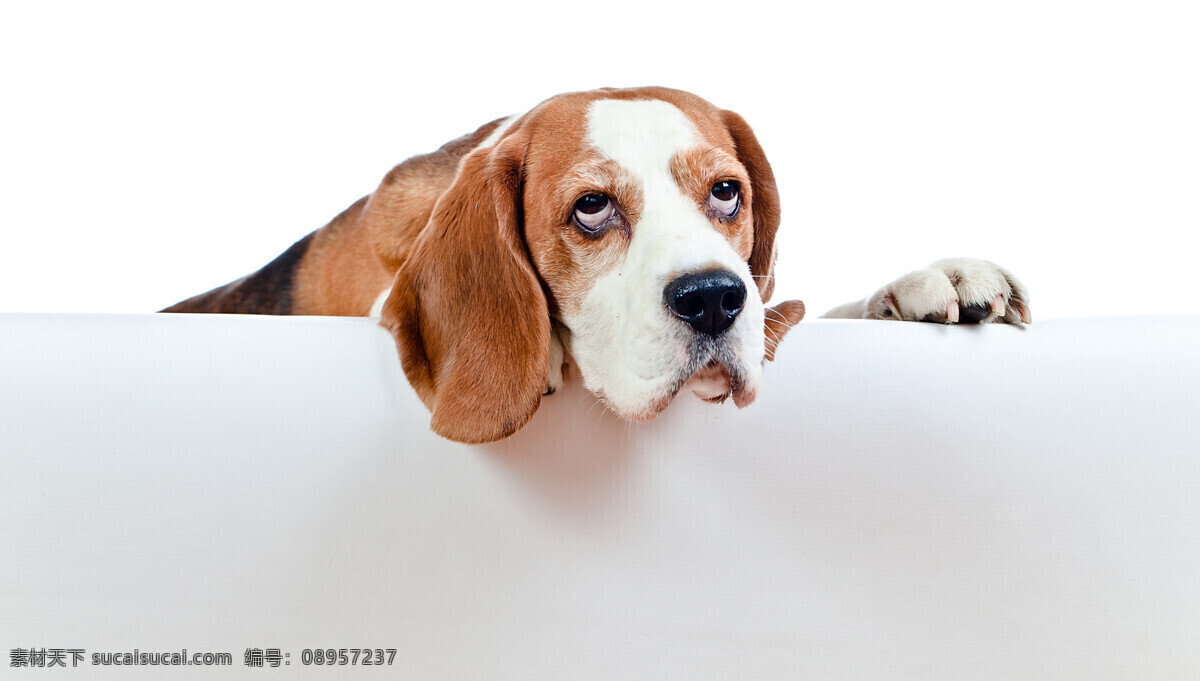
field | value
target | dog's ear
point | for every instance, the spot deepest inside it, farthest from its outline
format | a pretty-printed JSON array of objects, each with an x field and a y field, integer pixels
[
  {"x": 467, "y": 309},
  {"x": 764, "y": 201},
  {"x": 777, "y": 321}
]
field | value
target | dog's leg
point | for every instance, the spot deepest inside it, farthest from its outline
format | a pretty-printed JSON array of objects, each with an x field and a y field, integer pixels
[{"x": 950, "y": 291}]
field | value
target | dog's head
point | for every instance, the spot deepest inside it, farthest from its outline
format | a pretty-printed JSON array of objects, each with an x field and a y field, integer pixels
[{"x": 642, "y": 221}]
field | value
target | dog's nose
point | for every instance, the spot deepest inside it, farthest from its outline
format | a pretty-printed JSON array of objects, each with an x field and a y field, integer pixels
[{"x": 708, "y": 301}]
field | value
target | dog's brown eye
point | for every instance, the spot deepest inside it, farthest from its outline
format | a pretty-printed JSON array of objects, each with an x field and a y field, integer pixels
[
  {"x": 593, "y": 210},
  {"x": 725, "y": 198}
]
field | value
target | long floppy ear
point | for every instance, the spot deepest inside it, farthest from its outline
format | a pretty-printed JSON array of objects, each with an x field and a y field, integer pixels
[
  {"x": 467, "y": 309},
  {"x": 764, "y": 201}
]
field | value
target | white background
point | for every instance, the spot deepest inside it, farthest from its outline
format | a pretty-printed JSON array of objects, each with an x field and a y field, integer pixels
[{"x": 151, "y": 151}]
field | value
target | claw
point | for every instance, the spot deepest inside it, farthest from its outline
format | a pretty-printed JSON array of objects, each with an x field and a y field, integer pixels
[
  {"x": 998, "y": 305},
  {"x": 1025, "y": 316},
  {"x": 893, "y": 306},
  {"x": 952, "y": 312}
]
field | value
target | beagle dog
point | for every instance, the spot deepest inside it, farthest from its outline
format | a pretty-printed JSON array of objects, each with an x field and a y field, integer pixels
[{"x": 630, "y": 232}]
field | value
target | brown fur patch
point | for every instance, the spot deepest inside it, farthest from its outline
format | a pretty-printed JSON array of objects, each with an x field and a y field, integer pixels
[{"x": 697, "y": 170}]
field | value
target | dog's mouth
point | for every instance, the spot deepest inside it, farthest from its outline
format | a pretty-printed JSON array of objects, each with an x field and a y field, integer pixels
[
  {"x": 713, "y": 373},
  {"x": 711, "y": 383}
]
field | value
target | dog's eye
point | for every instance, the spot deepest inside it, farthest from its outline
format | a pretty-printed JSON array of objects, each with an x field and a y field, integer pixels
[
  {"x": 593, "y": 210},
  {"x": 725, "y": 198}
]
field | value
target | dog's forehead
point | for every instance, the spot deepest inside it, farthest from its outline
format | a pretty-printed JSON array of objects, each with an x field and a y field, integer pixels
[
  {"x": 640, "y": 135},
  {"x": 622, "y": 125}
]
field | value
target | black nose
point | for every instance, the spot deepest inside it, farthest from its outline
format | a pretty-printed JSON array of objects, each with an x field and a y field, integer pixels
[{"x": 709, "y": 301}]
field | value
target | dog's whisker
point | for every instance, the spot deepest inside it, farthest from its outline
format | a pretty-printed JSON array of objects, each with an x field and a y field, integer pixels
[
  {"x": 781, "y": 319},
  {"x": 595, "y": 403}
]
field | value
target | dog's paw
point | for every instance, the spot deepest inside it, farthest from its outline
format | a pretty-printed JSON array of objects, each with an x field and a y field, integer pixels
[{"x": 953, "y": 291}]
